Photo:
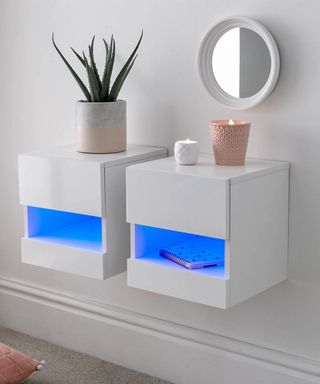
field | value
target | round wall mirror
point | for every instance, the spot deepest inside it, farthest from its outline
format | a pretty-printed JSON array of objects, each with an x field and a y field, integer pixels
[{"x": 239, "y": 62}]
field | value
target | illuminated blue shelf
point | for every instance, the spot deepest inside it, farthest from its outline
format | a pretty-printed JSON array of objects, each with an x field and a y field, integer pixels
[
  {"x": 149, "y": 240},
  {"x": 156, "y": 259},
  {"x": 65, "y": 228}
]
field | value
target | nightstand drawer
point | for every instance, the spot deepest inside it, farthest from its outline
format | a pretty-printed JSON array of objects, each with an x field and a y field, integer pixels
[
  {"x": 214, "y": 235},
  {"x": 74, "y": 209},
  {"x": 62, "y": 184},
  {"x": 178, "y": 202}
]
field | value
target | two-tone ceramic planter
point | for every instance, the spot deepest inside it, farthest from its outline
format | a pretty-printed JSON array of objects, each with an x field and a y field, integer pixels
[{"x": 101, "y": 127}]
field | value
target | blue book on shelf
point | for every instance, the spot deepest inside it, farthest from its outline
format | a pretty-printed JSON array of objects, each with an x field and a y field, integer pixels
[{"x": 192, "y": 255}]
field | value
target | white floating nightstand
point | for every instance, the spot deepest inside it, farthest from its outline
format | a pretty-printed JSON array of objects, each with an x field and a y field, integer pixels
[
  {"x": 238, "y": 212},
  {"x": 75, "y": 209}
]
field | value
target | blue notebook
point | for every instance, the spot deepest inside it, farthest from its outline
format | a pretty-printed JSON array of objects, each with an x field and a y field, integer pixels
[{"x": 191, "y": 255}]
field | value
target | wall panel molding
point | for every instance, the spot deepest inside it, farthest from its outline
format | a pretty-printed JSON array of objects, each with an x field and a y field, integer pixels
[{"x": 17, "y": 299}]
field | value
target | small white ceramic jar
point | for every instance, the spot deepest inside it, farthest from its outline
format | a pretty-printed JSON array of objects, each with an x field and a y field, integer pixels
[{"x": 186, "y": 152}]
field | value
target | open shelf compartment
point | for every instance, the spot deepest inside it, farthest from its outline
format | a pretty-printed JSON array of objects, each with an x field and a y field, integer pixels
[
  {"x": 148, "y": 270},
  {"x": 149, "y": 240},
  {"x": 64, "y": 241},
  {"x": 65, "y": 228}
]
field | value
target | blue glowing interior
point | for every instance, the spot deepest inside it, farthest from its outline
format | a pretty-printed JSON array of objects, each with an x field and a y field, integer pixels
[
  {"x": 65, "y": 228},
  {"x": 149, "y": 240}
]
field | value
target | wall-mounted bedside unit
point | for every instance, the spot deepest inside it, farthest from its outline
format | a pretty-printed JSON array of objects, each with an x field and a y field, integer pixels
[
  {"x": 75, "y": 209},
  {"x": 238, "y": 213}
]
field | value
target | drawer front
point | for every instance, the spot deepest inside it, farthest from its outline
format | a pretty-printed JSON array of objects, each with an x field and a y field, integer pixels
[
  {"x": 178, "y": 202},
  {"x": 62, "y": 184}
]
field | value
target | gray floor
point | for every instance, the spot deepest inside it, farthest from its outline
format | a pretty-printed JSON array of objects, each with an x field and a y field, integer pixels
[{"x": 69, "y": 367}]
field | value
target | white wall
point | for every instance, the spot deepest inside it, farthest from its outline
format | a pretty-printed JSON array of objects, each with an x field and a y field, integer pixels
[{"x": 167, "y": 101}]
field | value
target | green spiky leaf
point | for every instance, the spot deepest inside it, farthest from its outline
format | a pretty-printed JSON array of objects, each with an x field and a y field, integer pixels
[
  {"x": 110, "y": 55},
  {"x": 99, "y": 89},
  {"x": 93, "y": 84},
  {"x": 117, "y": 85},
  {"x": 106, "y": 46},
  {"x": 93, "y": 64},
  {"x": 123, "y": 73},
  {"x": 74, "y": 74},
  {"x": 79, "y": 57}
]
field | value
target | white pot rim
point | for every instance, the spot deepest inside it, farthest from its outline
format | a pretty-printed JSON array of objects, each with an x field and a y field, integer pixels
[{"x": 101, "y": 102}]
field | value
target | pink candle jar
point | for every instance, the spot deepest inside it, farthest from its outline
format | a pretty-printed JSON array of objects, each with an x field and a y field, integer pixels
[{"x": 229, "y": 141}]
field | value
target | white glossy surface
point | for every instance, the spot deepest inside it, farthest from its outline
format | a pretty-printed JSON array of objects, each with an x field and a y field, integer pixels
[
  {"x": 62, "y": 179},
  {"x": 178, "y": 282},
  {"x": 251, "y": 206},
  {"x": 177, "y": 201},
  {"x": 259, "y": 235},
  {"x": 133, "y": 153},
  {"x": 65, "y": 259},
  {"x": 62, "y": 184},
  {"x": 205, "y": 168}
]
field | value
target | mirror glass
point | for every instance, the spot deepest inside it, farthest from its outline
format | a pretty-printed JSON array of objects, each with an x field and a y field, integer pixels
[{"x": 241, "y": 62}]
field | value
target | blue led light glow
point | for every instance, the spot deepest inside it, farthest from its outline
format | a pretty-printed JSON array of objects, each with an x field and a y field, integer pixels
[
  {"x": 149, "y": 240},
  {"x": 65, "y": 228}
]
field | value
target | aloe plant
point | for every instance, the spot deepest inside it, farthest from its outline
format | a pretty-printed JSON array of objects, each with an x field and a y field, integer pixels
[{"x": 100, "y": 89}]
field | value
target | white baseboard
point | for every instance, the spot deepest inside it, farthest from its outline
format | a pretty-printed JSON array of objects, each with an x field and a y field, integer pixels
[{"x": 167, "y": 350}]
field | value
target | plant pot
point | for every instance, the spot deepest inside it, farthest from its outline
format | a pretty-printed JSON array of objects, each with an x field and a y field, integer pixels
[
  {"x": 101, "y": 127},
  {"x": 229, "y": 141}
]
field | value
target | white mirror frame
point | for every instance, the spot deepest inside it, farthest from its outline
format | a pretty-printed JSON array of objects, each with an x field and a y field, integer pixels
[{"x": 205, "y": 62}]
